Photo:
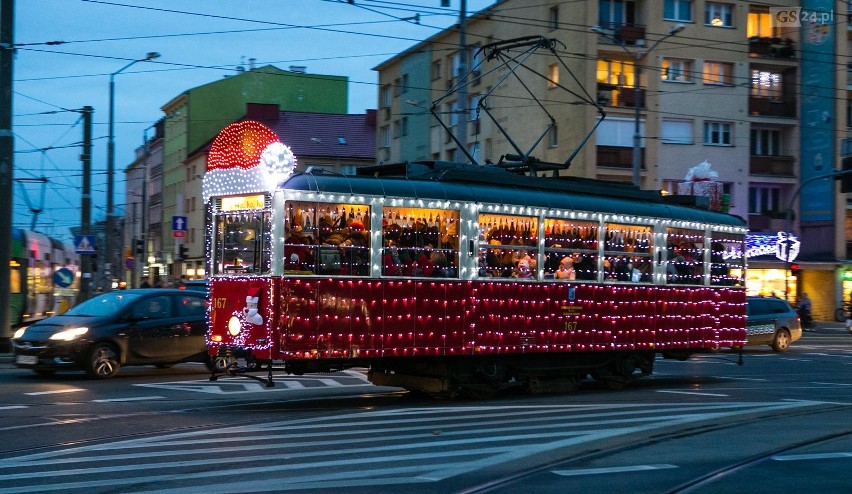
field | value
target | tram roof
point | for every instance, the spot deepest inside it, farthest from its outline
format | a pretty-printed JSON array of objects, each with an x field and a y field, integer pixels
[{"x": 438, "y": 180}]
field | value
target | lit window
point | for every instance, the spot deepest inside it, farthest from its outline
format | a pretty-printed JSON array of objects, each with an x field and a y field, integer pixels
[
  {"x": 721, "y": 73},
  {"x": 553, "y": 76},
  {"x": 718, "y": 14}
]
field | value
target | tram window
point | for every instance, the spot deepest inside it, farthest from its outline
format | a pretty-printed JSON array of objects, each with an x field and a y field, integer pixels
[
  {"x": 508, "y": 246},
  {"x": 420, "y": 242},
  {"x": 726, "y": 259},
  {"x": 242, "y": 243},
  {"x": 627, "y": 253},
  {"x": 327, "y": 238},
  {"x": 570, "y": 249},
  {"x": 685, "y": 256}
]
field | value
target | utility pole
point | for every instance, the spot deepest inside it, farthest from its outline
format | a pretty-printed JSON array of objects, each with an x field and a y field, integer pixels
[
  {"x": 86, "y": 205},
  {"x": 462, "y": 104},
  {"x": 7, "y": 150}
]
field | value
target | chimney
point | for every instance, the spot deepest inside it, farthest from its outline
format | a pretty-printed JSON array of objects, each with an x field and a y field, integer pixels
[
  {"x": 251, "y": 63},
  {"x": 298, "y": 69}
]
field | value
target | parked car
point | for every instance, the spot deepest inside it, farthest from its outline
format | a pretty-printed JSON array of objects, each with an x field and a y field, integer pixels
[
  {"x": 772, "y": 321},
  {"x": 147, "y": 326},
  {"x": 196, "y": 285}
]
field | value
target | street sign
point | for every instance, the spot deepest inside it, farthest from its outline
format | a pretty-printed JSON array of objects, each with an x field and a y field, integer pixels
[
  {"x": 84, "y": 244},
  {"x": 178, "y": 226},
  {"x": 63, "y": 277}
]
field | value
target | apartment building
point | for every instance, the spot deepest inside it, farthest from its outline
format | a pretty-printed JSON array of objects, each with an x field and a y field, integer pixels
[{"x": 737, "y": 84}]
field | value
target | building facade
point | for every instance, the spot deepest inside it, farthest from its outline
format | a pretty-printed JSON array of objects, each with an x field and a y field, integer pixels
[{"x": 736, "y": 84}]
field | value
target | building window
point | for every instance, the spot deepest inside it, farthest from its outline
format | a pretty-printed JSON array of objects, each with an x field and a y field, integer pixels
[
  {"x": 717, "y": 134},
  {"x": 677, "y": 10},
  {"x": 384, "y": 136},
  {"x": 759, "y": 24},
  {"x": 676, "y": 132},
  {"x": 436, "y": 70},
  {"x": 718, "y": 14},
  {"x": 676, "y": 70},
  {"x": 617, "y": 132},
  {"x": 766, "y": 84},
  {"x": 763, "y": 199},
  {"x": 554, "y": 18},
  {"x": 403, "y": 131},
  {"x": 396, "y": 129},
  {"x": 721, "y": 73},
  {"x": 385, "y": 98},
  {"x": 404, "y": 83},
  {"x": 397, "y": 86},
  {"x": 476, "y": 59},
  {"x": 765, "y": 142},
  {"x": 553, "y": 76},
  {"x": 554, "y": 136},
  {"x": 616, "y": 72}
]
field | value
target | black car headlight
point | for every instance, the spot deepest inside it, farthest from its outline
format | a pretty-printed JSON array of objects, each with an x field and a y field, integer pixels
[{"x": 69, "y": 334}]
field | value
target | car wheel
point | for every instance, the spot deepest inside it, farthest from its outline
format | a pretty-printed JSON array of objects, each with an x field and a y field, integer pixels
[
  {"x": 103, "y": 361},
  {"x": 782, "y": 340}
]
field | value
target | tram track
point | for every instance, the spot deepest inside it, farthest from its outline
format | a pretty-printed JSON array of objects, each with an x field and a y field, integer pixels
[{"x": 693, "y": 431}]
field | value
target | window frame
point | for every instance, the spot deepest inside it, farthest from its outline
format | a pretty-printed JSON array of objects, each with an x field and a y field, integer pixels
[
  {"x": 724, "y": 130},
  {"x": 677, "y": 6}
]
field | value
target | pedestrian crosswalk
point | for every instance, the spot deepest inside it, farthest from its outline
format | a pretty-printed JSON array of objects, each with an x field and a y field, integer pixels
[{"x": 385, "y": 448}]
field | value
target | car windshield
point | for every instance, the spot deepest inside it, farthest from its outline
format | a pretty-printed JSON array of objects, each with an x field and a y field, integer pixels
[{"x": 105, "y": 304}]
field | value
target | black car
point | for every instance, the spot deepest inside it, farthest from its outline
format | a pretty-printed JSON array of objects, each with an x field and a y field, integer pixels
[{"x": 130, "y": 327}]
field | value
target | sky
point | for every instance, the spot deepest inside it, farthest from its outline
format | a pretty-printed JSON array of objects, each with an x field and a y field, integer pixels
[{"x": 198, "y": 42}]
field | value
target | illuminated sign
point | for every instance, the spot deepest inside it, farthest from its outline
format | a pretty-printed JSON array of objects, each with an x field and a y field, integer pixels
[
  {"x": 782, "y": 245},
  {"x": 240, "y": 203}
]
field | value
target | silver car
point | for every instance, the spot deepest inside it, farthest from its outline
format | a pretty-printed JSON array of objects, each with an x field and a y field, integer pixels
[{"x": 772, "y": 321}]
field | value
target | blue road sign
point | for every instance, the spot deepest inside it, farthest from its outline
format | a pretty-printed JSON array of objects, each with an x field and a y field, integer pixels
[
  {"x": 179, "y": 223},
  {"x": 84, "y": 244},
  {"x": 63, "y": 277}
]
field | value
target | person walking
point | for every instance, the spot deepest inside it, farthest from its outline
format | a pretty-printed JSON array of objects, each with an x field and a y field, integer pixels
[{"x": 804, "y": 308}]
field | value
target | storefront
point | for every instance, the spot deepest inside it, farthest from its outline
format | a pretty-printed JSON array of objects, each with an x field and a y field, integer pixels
[{"x": 768, "y": 272}]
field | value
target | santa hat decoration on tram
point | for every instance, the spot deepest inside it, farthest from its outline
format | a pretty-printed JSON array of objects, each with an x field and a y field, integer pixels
[
  {"x": 253, "y": 296},
  {"x": 246, "y": 157}
]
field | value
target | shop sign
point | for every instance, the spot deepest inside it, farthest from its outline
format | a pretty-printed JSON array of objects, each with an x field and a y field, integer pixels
[{"x": 782, "y": 245}]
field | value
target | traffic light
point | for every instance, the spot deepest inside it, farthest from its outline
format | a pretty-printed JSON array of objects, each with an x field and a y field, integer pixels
[
  {"x": 139, "y": 247},
  {"x": 183, "y": 252},
  {"x": 846, "y": 178}
]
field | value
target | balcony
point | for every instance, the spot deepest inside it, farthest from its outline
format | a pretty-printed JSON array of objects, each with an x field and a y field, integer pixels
[
  {"x": 759, "y": 106},
  {"x": 617, "y": 157},
  {"x": 780, "y": 166},
  {"x": 772, "y": 47},
  {"x": 618, "y": 96},
  {"x": 622, "y": 34}
]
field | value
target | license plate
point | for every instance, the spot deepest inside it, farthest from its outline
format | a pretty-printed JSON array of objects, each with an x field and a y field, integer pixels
[{"x": 26, "y": 359}]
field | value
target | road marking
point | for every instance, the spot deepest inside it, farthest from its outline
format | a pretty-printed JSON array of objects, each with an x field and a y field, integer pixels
[
  {"x": 814, "y": 456},
  {"x": 240, "y": 385},
  {"x": 137, "y": 398},
  {"x": 55, "y": 391},
  {"x": 380, "y": 448},
  {"x": 598, "y": 471},
  {"x": 690, "y": 393},
  {"x": 13, "y": 407}
]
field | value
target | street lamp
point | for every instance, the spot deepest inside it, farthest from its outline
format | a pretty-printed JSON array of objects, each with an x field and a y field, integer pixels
[
  {"x": 109, "y": 256},
  {"x": 639, "y": 54}
]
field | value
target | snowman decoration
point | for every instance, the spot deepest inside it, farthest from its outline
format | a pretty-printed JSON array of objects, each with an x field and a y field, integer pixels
[{"x": 250, "y": 312}]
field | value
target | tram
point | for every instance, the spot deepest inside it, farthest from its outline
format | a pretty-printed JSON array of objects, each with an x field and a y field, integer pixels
[
  {"x": 33, "y": 266},
  {"x": 449, "y": 278}
]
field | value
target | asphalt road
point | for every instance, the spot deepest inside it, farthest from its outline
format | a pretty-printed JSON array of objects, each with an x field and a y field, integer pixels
[{"x": 777, "y": 423}]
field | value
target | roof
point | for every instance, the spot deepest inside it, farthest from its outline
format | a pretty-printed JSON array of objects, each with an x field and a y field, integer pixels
[
  {"x": 459, "y": 182},
  {"x": 326, "y": 134}
]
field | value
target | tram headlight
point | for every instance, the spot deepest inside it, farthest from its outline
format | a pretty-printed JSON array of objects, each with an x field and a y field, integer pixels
[
  {"x": 19, "y": 333},
  {"x": 69, "y": 334},
  {"x": 234, "y": 326}
]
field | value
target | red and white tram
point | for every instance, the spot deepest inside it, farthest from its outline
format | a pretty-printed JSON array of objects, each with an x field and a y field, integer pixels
[{"x": 444, "y": 277}]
